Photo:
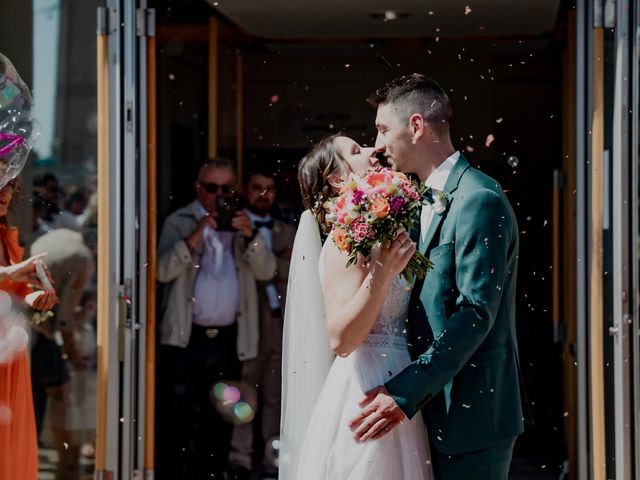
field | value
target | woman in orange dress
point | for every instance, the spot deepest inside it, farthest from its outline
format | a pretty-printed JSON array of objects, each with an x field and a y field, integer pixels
[{"x": 18, "y": 444}]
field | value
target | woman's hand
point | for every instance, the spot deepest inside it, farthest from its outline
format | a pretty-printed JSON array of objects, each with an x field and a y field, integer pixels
[
  {"x": 45, "y": 301},
  {"x": 24, "y": 271},
  {"x": 395, "y": 255}
]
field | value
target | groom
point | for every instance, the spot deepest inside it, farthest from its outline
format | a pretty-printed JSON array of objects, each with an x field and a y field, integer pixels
[{"x": 461, "y": 328}]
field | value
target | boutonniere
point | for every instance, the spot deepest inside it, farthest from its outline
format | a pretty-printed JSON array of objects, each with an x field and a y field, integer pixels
[{"x": 438, "y": 199}]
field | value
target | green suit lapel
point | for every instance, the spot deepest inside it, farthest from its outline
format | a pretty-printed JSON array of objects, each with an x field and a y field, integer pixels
[{"x": 451, "y": 186}]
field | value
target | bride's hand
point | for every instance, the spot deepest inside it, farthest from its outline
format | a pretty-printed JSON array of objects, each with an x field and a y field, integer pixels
[{"x": 395, "y": 255}]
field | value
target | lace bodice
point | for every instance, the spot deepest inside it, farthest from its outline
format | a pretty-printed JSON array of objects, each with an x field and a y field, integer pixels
[{"x": 389, "y": 331}]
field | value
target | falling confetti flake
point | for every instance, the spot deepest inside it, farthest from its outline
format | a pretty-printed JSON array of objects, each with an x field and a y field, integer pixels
[
  {"x": 274, "y": 98},
  {"x": 467, "y": 10},
  {"x": 499, "y": 120},
  {"x": 489, "y": 140}
]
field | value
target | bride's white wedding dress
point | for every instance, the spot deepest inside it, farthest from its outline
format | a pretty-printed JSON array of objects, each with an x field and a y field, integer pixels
[{"x": 329, "y": 451}]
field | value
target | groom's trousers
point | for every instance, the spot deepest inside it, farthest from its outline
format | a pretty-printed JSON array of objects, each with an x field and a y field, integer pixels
[{"x": 487, "y": 464}]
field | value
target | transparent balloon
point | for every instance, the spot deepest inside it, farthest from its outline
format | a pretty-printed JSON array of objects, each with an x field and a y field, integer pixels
[
  {"x": 236, "y": 402},
  {"x": 18, "y": 129}
]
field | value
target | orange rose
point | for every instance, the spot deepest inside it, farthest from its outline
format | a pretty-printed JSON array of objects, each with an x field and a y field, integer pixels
[
  {"x": 380, "y": 207},
  {"x": 342, "y": 240},
  {"x": 375, "y": 179}
]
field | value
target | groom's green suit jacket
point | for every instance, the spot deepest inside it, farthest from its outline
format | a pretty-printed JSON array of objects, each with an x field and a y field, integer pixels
[{"x": 461, "y": 327}]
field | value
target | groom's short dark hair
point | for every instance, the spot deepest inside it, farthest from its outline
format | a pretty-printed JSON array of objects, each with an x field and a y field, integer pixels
[{"x": 417, "y": 93}]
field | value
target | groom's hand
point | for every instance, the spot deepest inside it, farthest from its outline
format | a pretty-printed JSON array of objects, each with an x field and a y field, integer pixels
[{"x": 380, "y": 414}]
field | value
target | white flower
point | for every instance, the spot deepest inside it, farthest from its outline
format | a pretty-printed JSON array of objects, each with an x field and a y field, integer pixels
[
  {"x": 438, "y": 205},
  {"x": 370, "y": 217},
  {"x": 438, "y": 200}
]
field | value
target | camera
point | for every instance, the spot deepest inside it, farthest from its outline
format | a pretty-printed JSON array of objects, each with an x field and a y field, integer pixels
[{"x": 226, "y": 209}]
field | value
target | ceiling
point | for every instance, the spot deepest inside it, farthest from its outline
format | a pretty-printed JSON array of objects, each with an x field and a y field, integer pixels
[{"x": 318, "y": 19}]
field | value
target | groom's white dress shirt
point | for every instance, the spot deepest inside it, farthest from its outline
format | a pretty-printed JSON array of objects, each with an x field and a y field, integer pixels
[{"x": 437, "y": 180}]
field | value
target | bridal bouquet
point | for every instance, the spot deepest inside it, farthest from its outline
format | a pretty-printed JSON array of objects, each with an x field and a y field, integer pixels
[{"x": 370, "y": 208}]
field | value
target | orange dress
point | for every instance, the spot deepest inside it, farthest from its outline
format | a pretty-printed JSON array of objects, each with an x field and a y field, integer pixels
[{"x": 18, "y": 442}]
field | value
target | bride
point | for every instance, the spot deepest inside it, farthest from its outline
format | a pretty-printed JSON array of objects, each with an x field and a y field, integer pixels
[{"x": 357, "y": 312}]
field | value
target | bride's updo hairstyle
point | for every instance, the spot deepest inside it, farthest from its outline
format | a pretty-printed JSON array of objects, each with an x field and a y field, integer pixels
[{"x": 313, "y": 176}]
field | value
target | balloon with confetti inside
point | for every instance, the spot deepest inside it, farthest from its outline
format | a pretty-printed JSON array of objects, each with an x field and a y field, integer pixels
[{"x": 18, "y": 129}]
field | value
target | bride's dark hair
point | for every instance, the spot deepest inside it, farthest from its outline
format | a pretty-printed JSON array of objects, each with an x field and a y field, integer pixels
[{"x": 313, "y": 176}]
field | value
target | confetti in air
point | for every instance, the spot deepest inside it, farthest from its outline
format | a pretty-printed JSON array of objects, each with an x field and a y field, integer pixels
[{"x": 490, "y": 139}]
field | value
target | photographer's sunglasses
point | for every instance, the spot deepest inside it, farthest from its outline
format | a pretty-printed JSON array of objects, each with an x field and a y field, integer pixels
[{"x": 214, "y": 187}]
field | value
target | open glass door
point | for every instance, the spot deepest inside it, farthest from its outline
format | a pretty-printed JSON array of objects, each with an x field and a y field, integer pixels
[
  {"x": 607, "y": 252},
  {"x": 123, "y": 29},
  {"x": 621, "y": 330}
]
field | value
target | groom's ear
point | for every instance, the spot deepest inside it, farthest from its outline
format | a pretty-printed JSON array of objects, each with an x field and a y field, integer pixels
[{"x": 417, "y": 125}]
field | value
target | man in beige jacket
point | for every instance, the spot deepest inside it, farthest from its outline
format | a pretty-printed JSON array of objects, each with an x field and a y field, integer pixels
[{"x": 209, "y": 323}]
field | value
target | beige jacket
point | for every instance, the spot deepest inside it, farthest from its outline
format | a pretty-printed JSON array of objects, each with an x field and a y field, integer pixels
[{"x": 177, "y": 268}]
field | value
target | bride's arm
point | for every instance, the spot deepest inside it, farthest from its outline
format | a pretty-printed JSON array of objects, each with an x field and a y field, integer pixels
[{"x": 354, "y": 296}]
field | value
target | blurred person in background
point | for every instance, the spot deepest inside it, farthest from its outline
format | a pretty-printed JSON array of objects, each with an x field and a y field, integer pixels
[
  {"x": 39, "y": 226},
  {"x": 209, "y": 322},
  {"x": 72, "y": 216},
  {"x": 264, "y": 371},
  {"x": 60, "y": 371},
  {"x": 52, "y": 194}
]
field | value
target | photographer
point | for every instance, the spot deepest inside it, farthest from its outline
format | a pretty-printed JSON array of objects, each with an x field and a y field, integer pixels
[{"x": 209, "y": 257}]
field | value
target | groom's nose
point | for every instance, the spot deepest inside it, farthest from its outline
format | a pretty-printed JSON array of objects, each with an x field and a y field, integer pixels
[{"x": 379, "y": 145}]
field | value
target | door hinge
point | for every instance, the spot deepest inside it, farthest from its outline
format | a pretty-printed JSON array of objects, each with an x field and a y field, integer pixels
[
  {"x": 146, "y": 22},
  {"x": 106, "y": 23}
]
